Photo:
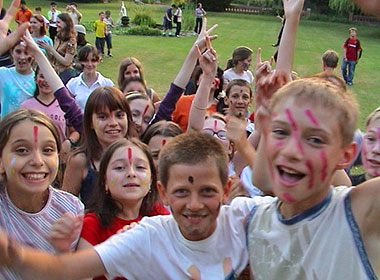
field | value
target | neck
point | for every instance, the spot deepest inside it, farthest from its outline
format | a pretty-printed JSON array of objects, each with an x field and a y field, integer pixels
[
  {"x": 46, "y": 98},
  {"x": 238, "y": 70},
  {"x": 89, "y": 78},
  {"x": 36, "y": 34},
  {"x": 28, "y": 203},
  {"x": 131, "y": 210},
  {"x": 328, "y": 69}
]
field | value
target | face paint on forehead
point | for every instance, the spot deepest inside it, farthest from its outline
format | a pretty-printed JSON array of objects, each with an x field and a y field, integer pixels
[
  {"x": 190, "y": 179},
  {"x": 145, "y": 110},
  {"x": 129, "y": 156},
  {"x": 215, "y": 125},
  {"x": 311, "y": 117},
  {"x": 35, "y": 134},
  {"x": 163, "y": 142}
]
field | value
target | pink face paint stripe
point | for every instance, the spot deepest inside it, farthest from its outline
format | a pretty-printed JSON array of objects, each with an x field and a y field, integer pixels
[
  {"x": 279, "y": 144},
  {"x": 324, "y": 166},
  {"x": 295, "y": 130},
  {"x": 288, "y": 197},
  {"x": 35, "y": 134},
  {"x": 311, "y": 173},
  {"x": 129, "y": 156},
  {"x": 145, "y": 110},
  {"x": 311, "y": 117},
  {"x": 215, "y": 125}
]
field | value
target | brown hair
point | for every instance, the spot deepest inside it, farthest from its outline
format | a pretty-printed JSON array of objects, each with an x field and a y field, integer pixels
[
  {"x": 330, "y": 58},
  {"x": 124, "y": 65},
  {"x": 85, "y": 51},
  {"x": 325, "y": 94},
  {"x": 238, "y": 82},
  {"x": 162, "y": 128},
  {"x": 105, "y": 207},
  {"x": 68, "y": 32},
  {"x": 193, "y": 148},
  {"x": 239, "y": 54},
  {"x": 40, "y": 19},
  {"x": 100, "y": 98},
  {"x": 374, "y": 115}
]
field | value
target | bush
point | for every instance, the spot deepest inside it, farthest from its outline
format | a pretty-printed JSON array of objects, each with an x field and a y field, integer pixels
[
  {"x": 143, "y": 17},
  {"x": 216, "y": 5},
  {"x": 138, "y": 30},
  {"x": 188, "y": 18}
]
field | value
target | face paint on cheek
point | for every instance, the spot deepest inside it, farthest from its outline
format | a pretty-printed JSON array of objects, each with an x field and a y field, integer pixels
[
  {"x": 112, "y": 182},
  {"x": 311, "y": 173},
  {"x": 191, "y": 179},
  {"x": 55, "y": 163},
  {"x": 145, "y": 179},
  {"x": 311, "y": 117},
  {"x": 279, "y": 144},
  {"x": 288, "y": 197},
  {"x": 12, "y": 162},
  {"x": 324, "y": 166},
  {"x": 35, "y": 134},
  {"x": 295, "y": 130}
]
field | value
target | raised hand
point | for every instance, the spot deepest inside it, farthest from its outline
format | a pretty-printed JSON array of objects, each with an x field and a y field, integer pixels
[
  {"x": 31, "y": 45},
  {"x": 292, "y": 7},
  {"x": 207, "y": 60},
  {"x": 65, "y": 231},
  {"x": 201, "y": 40},
  {"x": 236, "y": 132},
  {"x": 10, "y": 251},
  {"x": 262, "y": 69},
  {"x": 6, "y": 42}
]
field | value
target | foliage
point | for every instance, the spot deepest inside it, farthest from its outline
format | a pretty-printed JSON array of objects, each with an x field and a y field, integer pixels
[
  {"x": 87, "y": 1},
  {"x": 188, "y": 17},
  {"x": 216, "y": 5},
  {"x": 143, "y": 17},
  {"x": 342, "y": 5},
  {"x": 138, "y": 30},
  {"x": 328, "y": 18}
]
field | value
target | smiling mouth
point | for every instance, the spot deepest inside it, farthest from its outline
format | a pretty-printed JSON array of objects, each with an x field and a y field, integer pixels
[
  {"x": 113, "y": 132},
  {"x": 131, "y": 186},
  {"x": 289, "y": 177},
  {"x": 374, "y": 162},
  {"x": 35, "y": 176}
]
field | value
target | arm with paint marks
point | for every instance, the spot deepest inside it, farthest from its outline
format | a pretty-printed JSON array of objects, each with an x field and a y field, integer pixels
[
  {"x": 209, "y": 65},
  {"x": 176, "y": 89}
]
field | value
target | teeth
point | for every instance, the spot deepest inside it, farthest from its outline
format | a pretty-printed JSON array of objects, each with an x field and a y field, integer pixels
[
  {"x": 289, "y": 170},
  {"x": 34, "y": 176},
  {"x": 113, "y": 131}
]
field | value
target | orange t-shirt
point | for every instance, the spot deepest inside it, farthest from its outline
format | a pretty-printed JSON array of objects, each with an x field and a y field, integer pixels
[
  {"x": 182, "y": 111},
  {"x": 23, "y": 15}
]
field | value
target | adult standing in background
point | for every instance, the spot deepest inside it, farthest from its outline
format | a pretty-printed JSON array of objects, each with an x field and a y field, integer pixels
[
  {"x": 72, "y": 10},
  {"x": 52, "y": 17},
  {"x": 178, "y": 15},
  {"x": 199, "y": 14},
  {"x": 23, "y": 14}
]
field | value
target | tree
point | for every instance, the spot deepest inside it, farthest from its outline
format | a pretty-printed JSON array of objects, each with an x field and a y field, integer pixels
[{"x": 342, "y": 5}]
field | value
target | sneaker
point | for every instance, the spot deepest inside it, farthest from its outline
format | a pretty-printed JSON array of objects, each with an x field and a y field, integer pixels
[
  {"x": 109, "y": 55},
  {"x": 177, "y": 36},
  {"x": 164, "y": 34},
  {"x": 349, "y": 83}
]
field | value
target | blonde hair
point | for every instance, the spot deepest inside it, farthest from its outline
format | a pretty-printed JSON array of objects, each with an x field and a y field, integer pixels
[{"x": 322, "y": 93}]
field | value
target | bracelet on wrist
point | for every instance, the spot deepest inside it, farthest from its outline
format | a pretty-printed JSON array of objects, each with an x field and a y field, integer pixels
[{"x": 73, "y": 144}]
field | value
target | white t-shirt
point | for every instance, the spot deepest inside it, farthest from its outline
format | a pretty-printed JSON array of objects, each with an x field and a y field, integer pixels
[
  {"x": 323, "y": 242},
  {"x": 178, "y": 13},
  {"x": 230, "y": 75},
  {"x": 156, "y": 249},
  {"x": 81, "y": 91}
]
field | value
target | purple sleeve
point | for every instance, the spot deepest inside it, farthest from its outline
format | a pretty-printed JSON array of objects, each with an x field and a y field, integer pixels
[
  {"x": 168, "y": 104},
  {"x": 72, "y": 111}
]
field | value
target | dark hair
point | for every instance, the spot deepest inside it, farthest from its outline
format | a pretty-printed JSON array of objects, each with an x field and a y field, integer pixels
[
  {"x": 53, "y": 3},
  {"x": 126, "y": 82},
  {"x": 38, "y": 9},
  {"x": 239, "y": 82},
  {"x": 239, "y": 54},
  {"x": 68, "y": 32},
  {"x": 40, "y": 19},
  {"x": 105, "y": 207},
  {"x": 124, "y": 65},
  {"x": 330, "y": 58},
  {"x": 22, "y": 2},
  {"x": 162, "y": 128},
  {"x": 81, "y": 39},
  {"x": 193, "y": 148},
  {"x": 12, "y": 119},
  {"x": 100, "y": 98},
  {"x": 85, "y": 52}
]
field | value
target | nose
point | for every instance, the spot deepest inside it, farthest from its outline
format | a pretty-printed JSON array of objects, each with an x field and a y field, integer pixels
[
  {"x": 36, "y": 159},
  {"x": 194, "y": 202},
  {"x": 376, "y": 148},
  {"x": 131, "y": 172},
  {"x": 292, "y": 149},
  {"x": 112, "y": 120}
]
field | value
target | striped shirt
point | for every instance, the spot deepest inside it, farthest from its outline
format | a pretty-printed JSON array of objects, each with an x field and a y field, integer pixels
[{"x": 33, "y": 229}]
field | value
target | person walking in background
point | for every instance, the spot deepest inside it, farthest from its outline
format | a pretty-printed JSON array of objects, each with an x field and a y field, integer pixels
[
  {"x": 109, "y": 25},
  {"x": 52, "y": 17},
  {"x": 168, "y": 21},
  {"x": 178, "y": 20},
  {"x": 72, "y": 10},
  {"x": 351, "y": 54},
  {"x": 23, "y": 14},
  {"x": 199, "y": 14},
  {"x": 100, "y": 27}
]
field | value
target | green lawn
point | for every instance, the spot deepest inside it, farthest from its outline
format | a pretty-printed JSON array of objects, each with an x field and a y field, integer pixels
[{"x": 162, "y": 56}]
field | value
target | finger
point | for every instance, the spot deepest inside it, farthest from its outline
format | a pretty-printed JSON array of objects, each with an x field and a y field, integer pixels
[
  {"x": 271, "y": 61},
  {"x": 16, "y": 35},
  {"x": 198, "y": 50},
  {"x": 208, "y": 44},
  {"x": 204, "y": 24},
  {"x": 213, "y": 37},
  {"x": 258, "y": 56},
  {"x": 11, "y": 11},
  {"x": 211, "y": 29}
]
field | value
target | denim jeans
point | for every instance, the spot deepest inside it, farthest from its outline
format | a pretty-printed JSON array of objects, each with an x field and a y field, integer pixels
[{"x": 348, "y": 70}]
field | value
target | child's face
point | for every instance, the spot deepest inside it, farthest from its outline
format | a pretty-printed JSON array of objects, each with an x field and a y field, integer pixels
[
  {"x": 60, "y": 24},
  {"x": 101, "y": 16},
  {"x": 238, "y": 101},
  {"x": 90, "y": 64},
  {"x": 35, "y": 24},
  {"x": 155, "y": 144},
  {"x": 131, "y": 71},
  {"x": 128, "y": 176},
  {"x": 22, "y": 59},
  {"x": 134, "y": 86},
  {"x": 195, "y": 194},
  {"x": 245, "y": 64},
  {"x": 217, "y": 128},
  {"x": 304, "y": 148},
  {"x": 109, "y": 126},
  {"x": 142, "y": 113},
  {"x": 353, "y": 33},
  {"x": 43, "y": 86},
  {"x": 29, "y": 159},
  {"x": 371, "y": 149}
]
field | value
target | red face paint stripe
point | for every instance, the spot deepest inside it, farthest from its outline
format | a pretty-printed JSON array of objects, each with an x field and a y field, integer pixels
[
  {"x": 130, "y": 156},
  {"x": 324, "y": 166},
  {"x": 215, "y": 125},
  {"x": 295, "y": 130},
  {"x": 145, "y": 110},
  {"x": 311, "y": 117},
  {"x": 288, "y": 197},
  {"x": 311, "y": 173},
  {"x": 35, "y": 134},
  {"x": 163, "y": 142}
]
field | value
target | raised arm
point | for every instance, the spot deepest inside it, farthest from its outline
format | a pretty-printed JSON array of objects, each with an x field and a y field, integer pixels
[
  {"x": 176, "y": 89},
  {"x": 6, "y": 42},
  {"x": 209, "y": 64}
]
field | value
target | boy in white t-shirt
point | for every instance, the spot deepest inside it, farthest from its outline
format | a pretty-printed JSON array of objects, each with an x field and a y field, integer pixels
[{"x": 200, "y": 240}]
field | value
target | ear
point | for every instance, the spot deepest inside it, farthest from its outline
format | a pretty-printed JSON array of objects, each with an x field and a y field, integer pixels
[
  {"x": 162, "y": 192},
  {"x": 348, "y": 154},
  {"x": 2, "y": 170},
  {"x": 226, "y": 101},
  {"x": 226, "y": 190}
]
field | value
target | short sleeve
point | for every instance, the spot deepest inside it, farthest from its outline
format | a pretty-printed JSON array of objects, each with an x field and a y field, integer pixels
[{"x": 90, "y": 229}]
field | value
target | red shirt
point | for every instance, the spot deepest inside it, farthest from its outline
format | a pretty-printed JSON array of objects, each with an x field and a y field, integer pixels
[
  {"x": 352, "y": 46},
  {"x": 94, "y": 234},
  {"x": 23, "y": 15}
]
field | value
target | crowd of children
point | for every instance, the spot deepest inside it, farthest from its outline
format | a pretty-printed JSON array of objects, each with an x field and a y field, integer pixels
[{"x": 187, "y": 187}]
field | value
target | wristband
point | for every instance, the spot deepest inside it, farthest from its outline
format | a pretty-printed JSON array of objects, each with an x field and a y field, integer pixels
[{"x": 73, "y": 144}]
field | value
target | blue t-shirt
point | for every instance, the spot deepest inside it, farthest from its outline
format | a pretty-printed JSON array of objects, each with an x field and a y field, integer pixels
[
  {"x": 45, "y": 39},
  {"x": 15, "y": 88}
]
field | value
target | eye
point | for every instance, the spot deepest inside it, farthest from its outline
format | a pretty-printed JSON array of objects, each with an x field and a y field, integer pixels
[
  {"x": 101, "y": 116},
  {"x": 147, "y": 120},
  {"x": 208, "y": 191},
  {"x": 141, "y": 167},
  {"x": 120, "y": 115},
  {"x": 49, "y": 150},
  {"x": 22, "y": 150},
  {"x": 279, "y": 132},
  {"x": 119, "y": 167},
  {"x": 370, "y": 138},
  {"x": 316, "y": 140},
  {"x": 181, "y": 193}
]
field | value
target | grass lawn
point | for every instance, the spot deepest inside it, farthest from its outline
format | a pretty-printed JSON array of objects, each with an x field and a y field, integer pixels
[{"x": 163, "y": 56}]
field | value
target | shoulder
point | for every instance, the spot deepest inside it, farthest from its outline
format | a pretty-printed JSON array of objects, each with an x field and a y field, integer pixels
[
  {"x": 105, "y": 81},
  {"x": 78, "y": 160},
  {"x": 66, "y": 201}
]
